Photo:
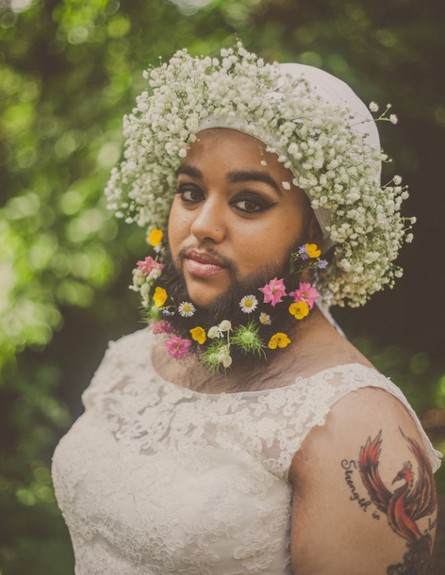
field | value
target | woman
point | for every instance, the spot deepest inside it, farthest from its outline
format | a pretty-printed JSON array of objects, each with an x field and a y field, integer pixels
[{"x": 268, "y": 444}]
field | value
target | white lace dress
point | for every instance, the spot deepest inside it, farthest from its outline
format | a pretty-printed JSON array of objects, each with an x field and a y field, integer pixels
[{"x": 154, "y": 478}]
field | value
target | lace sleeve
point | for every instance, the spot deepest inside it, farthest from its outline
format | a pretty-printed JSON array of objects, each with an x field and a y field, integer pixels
[{"x": 326, "y": 388}]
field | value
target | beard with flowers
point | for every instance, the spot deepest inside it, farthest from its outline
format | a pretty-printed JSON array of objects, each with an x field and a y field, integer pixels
[{"x": 252, "y": 320}]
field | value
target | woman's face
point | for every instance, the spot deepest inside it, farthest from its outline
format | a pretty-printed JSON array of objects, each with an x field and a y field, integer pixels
[{"x": 231, "y": 218}]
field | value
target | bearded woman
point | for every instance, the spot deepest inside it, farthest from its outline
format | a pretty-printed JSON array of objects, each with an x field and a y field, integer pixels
[{"x": 240, "y": 432}]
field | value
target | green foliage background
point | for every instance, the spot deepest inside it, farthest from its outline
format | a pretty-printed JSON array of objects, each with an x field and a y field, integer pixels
[{"x": 69, "y": 70}]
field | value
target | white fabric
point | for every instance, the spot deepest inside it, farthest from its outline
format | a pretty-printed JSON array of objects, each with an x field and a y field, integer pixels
[{"x": 154, "y": 478}]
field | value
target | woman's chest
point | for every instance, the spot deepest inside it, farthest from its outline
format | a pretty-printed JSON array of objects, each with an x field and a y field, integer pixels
[{"x": 169, "y": 502}]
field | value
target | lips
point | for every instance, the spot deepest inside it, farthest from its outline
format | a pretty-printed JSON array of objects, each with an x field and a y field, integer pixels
[{"x": 203, "y": 264}]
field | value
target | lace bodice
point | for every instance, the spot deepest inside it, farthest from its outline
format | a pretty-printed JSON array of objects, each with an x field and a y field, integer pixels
[{"x": 154, "y": 478}]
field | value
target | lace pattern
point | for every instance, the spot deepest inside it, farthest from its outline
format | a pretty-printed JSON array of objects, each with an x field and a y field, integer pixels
[{"x": 156, "y": 478}]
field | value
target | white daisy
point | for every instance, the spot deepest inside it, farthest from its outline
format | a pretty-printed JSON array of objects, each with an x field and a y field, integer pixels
[
  {"x": 186, "y": 309},
  {"x": 249, "y": 303},
  {"x": 264, "y": 319}
]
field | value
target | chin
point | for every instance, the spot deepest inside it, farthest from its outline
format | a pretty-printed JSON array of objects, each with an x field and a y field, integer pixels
[
  {"x": 204, "y": 296},
  {"x": 203, "y": 300}
]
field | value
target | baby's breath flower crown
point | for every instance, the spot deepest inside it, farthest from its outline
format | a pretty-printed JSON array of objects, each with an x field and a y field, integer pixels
[{"x": 316, "y": 141}]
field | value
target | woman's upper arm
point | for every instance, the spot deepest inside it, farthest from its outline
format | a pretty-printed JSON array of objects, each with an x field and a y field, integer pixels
[{"x": 364, "y": 497}]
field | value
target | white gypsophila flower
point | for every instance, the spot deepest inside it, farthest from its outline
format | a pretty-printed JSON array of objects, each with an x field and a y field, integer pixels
[
  {"x": 154, "y": 274},
  {"x": 312, "y": 138},
  {"x": 393, "y": 119},
  {"x": 374, "y": 107},
  {"x": 145, "y": 292},
  {"x": 186, "y": 309}
]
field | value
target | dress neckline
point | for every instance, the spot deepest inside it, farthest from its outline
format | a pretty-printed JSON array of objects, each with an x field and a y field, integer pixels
[{"x": 254, "y": 392}]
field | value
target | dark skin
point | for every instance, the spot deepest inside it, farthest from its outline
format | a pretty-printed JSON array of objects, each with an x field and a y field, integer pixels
[
  {"x": 337, "y": 525},
  {"x": 330, "y": 532},
  {"x": 231, "y": 201}
]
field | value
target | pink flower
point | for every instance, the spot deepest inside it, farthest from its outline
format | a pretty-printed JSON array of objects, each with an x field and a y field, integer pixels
[
  {"x": 160, "y": 326},
  {"x": 149, "y": 264},
  {"x": 274, "y": 291},
  {"x": 305, "y": 293},
  {"x": 178, "y": 347}
]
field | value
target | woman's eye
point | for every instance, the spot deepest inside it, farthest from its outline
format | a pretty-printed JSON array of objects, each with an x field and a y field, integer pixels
[
  {"x": 190, "y": 194},
  {"x": 251, "y": 205}
]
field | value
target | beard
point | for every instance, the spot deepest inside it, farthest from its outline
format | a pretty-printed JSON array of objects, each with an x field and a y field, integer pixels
[{"x": 227, "y": 307}]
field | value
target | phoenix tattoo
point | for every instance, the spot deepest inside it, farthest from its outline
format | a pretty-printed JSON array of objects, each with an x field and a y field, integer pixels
[{"x": 406, "y": 504}]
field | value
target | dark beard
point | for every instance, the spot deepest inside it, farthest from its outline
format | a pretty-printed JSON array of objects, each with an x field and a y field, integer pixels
[{"x": 227, "y": 307}]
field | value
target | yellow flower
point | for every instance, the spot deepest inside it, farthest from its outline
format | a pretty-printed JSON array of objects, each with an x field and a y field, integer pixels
[
  {"x": 154, "y": 238},
  {"x": 159, "y": 296},
  {"x": 300, "y": 309},
  {"x": 278, "y": 340},
  {"x": 198, "y": 334},
  {"x": 313, "y": 251}
]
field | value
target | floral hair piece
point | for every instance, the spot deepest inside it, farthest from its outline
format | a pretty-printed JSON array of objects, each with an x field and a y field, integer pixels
[
  {"x": 215, "y": 345},
  {"x": 317, "y": 141}
]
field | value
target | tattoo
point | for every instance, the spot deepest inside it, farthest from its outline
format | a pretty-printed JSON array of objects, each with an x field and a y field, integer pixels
[
  {"x": 349, "y": 466},
  {"x": 404, "y": 506}
]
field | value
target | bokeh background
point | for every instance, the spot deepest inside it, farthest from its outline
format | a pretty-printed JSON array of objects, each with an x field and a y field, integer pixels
[{"x": 69, "y": 70}]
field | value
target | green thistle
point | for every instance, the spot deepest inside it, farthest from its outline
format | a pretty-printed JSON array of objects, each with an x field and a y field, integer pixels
[
  {"x": 247, "y": 338},
  {"x": 153, "y": 313},
  {"x": 217, "y": 356}
]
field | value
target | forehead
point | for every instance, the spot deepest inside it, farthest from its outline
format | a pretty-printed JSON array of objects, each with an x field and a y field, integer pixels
[{"x": 231, "y": 149}]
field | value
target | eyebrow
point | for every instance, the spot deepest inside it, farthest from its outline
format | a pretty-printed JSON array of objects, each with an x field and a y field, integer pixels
[
  {"x": 233, "y": 177},
  {"x": 189, "y": 171},
  {"x": 249, "y": 176}
]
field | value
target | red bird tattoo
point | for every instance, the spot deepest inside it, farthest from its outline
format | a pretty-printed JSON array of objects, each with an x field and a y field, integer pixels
[{"x": 409, "y": 502}]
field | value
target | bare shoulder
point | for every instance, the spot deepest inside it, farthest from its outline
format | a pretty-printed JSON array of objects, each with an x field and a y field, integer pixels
[{"x": 364, "y": 495}]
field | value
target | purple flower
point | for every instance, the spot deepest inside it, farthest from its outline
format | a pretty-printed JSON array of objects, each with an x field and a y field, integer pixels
[
  {"x": 322, "y": 264},
  {"x": 302, "y": 250}
]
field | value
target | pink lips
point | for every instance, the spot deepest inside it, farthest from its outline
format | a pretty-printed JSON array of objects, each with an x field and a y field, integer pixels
[{"x": 202, "y": 264}]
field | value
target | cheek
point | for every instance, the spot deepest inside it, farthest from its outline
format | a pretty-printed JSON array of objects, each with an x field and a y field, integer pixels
[
  {"x": 268, "y": 247},
  {"x": 178, "y": 226}
]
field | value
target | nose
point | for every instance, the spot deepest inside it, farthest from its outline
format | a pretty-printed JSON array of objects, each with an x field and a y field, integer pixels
[{"x": 208, "y": 223}]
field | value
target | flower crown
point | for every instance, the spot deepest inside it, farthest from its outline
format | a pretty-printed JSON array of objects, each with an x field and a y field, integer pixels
[
  {"x": 330, "y": 160},
  {"x": 216, "y": 345}
]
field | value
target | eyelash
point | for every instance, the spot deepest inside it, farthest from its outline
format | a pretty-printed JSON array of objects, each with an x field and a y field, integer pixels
[{"x": 261, "y": 204}]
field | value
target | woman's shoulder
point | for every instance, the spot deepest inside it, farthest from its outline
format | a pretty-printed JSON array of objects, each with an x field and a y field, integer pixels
[
  {"x": 124, "y": 358},
  {"x": 141, "y": 338},
  {"x": 367, "y": 411},
  {"x": 129, "y": 351},
  {"x": 367, "y": 475}
]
